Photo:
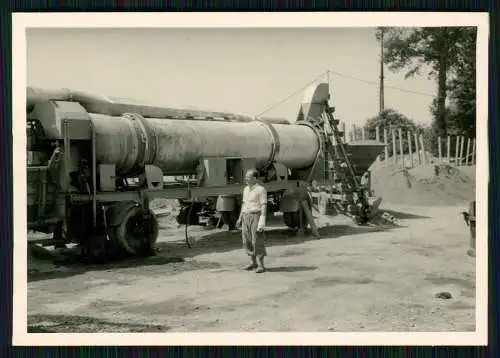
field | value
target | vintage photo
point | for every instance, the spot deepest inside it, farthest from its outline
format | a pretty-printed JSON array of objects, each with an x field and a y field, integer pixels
[{"x": 252, "y": 179}]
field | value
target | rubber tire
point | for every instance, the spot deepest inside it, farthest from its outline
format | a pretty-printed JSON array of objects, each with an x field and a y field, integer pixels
[
  {"x": 96, "y": 250},
  {"x": 292, "y": 219},
  {"x": 122, "y": 236}
]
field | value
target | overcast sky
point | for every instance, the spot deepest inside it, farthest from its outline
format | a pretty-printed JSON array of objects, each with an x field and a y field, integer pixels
[{"x": 234, "y": 70}]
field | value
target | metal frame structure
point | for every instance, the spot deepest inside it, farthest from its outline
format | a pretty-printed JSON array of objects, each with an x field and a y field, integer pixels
[{"x": 117, "y": 205}]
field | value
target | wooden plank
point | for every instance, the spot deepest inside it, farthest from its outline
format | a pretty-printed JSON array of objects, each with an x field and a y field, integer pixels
[
  {"x": 467, "y": 152},
  {"x": 474, "y": 151},
  {"x": 417, "y": 148},
  {"x": 394, "y": 154},
  {"x": 424, "y": 156},
  {"x": 457, "y": 148},
  {"x": 462, "y": 141},
  {"x": 410, "y": 149},
  {"x": 377, "y": 138},
  {"x": 386, "y": 148},
  {"x": 440, "y": 149},
  {"x": 401, "y": 151},
  {"x": 448, "y": 149}
]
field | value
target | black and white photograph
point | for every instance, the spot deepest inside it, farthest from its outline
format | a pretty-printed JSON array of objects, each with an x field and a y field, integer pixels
[{"x": 199, "y": 174}]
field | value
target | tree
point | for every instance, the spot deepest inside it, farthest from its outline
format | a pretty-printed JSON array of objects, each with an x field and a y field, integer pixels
[
  {"x": 391, "y": 119},
  {"x": 434, "y": 49},
  {"x": 462, "y": 86}
]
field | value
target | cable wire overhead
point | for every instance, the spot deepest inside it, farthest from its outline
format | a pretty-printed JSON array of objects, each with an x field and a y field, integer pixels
[
  {"x": 330, "y": 72},
  {"x": 292, "y": 94}
]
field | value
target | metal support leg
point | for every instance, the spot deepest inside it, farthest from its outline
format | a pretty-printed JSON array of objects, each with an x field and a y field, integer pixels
[
  {"x": 300, "y": 231},
  {"x": 310, "y": 219}
]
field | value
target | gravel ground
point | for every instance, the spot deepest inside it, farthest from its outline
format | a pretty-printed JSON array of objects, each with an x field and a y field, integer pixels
[{"x": 351, "y": 279}]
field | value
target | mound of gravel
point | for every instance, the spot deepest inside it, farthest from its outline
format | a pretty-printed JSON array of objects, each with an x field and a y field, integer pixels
[{"x": 429, "y": 185}]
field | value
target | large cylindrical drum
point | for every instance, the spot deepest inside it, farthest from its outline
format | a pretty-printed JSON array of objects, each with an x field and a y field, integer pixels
[{"x": 177, "y": 146}]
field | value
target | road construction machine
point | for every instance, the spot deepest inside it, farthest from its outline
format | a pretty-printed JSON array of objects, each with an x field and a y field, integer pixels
[{"x": 95, "y": 164}]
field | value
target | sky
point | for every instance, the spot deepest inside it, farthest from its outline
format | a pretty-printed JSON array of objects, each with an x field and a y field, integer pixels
[{"x": 243, "y": 70}]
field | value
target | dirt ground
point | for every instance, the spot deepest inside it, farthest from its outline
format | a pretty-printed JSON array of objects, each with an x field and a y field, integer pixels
[{"x": 350, "y": 279}]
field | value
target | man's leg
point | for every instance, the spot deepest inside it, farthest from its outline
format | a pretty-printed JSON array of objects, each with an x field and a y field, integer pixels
[
  {"x": 259, "y": 247},
  {"x": 247, "y": 241}
]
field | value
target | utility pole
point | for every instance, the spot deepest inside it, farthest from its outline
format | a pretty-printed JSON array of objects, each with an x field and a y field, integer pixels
[{"x": 381, "y": 90}]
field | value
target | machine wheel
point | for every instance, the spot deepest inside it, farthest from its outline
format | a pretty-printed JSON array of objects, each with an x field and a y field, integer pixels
[
  {"x": 95, "y": 249},
  {"x": 291, "y": 219},
  {"x": 134, "y": 234}
]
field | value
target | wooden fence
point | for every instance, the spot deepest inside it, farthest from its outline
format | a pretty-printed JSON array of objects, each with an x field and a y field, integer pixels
[{"x": 408, "y": 148}]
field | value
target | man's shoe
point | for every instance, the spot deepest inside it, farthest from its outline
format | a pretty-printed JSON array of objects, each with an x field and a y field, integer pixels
[
  {"x": 251, "y": 267},
  {"x": 260, "y": 270}
]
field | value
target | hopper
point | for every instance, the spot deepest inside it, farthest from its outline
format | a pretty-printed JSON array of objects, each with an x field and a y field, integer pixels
[{"x": 363, "y": 153}]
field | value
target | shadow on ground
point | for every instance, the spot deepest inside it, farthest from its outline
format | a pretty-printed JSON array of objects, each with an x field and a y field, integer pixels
[
  {"x": 175, "y": 253},
  {"x": 405, "y": 216},
  {"x": 291, "y": 268},
  {"x": 78, "y": 324}
]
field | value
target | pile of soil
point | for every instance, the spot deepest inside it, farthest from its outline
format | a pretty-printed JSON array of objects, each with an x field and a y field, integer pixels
[{"x": 429, "y": 185}]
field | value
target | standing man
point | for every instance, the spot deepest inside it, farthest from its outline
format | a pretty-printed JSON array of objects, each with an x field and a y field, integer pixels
[{"x": 252, "y": 219}]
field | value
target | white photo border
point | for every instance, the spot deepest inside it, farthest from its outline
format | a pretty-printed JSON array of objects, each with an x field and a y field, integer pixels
[{"x": 22, "y": 21}]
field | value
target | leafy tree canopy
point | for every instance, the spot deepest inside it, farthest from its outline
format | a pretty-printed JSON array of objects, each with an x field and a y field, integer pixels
[{"x": 446, "y": 54}]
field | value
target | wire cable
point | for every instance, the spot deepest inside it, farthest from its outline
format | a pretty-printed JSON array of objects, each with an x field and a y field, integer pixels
[
  {"x": 292, "y": 94},
  {"x": 327, "y": 73},
  {"x": 376, "y": 83}
]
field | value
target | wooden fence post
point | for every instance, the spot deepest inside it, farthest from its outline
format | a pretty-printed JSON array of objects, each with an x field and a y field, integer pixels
[
  {"x": 394, "y": 154},
  {"x": 386, "y": 142},
  {"x": 448, "y": 147},
  {"x": 354, "y": 134},
  {"x": 457, "y": 147},
  {"x": 401, "y": 151},
  {"x": 440, "y": 149},
  {"x": 462, "y": 140},
  {"x": 468, "y": 152},
  {"x": 474, "y": 151},
  {"x": 363, "y": 134},
  {"x": 417, "y": 146},
  {"x": 424, "y": 156},
  {"x": 410, "y": 150},
  {"x": 377, "y": 138}
]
